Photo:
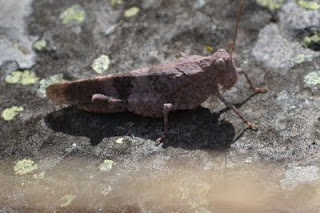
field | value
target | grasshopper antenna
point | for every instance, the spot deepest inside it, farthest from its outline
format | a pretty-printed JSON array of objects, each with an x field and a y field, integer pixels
[{"x": 232, "y": 44}]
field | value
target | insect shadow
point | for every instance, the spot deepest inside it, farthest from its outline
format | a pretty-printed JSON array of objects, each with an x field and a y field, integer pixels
[{"x": 192, "y": 129}]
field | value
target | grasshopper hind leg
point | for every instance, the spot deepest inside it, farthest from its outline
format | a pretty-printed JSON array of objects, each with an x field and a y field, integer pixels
[
  {"x": 100, "y": 98},
  {"x": 105, "y": 104}
]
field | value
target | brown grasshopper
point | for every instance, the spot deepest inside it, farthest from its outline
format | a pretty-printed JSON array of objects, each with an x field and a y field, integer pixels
[{"x": 155, "y": 91}]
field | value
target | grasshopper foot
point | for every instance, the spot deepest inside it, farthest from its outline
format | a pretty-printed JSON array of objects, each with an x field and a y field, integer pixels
[
  {"x": 260, "y": 90},
  {"x": 161, "y": 139},
  {"x": 252, "y": 126}
]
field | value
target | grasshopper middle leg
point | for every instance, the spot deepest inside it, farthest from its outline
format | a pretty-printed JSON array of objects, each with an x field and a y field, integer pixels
[
  {"x": 167, "y": 107},
  {"x": 151, "y": 105}
]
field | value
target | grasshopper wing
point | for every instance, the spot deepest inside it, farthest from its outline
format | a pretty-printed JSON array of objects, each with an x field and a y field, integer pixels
[{"x": 156, "y": 80}]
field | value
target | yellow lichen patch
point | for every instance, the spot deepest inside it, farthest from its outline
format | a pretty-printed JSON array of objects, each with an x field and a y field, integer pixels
[
  {"x": 202, "y": 210},
  {"x": 25, "y": 166},
  {"x": 300, "y": 58},
  {"x": 132, "y": 11},
  {"x": 9, "y": 113},
  {"x": 106, "y": 191},
  {"x": 106, "y": 165},
  {"x": 40, "y": 45},
  {"x": 309, "y": 4},
  {"x": 39, "y": 176},
  {"x": 101, "y": 64},
  {"x": 75, "y": 13},
  {"x": 196, "y": 196},
  {"x": 312, "y": 41},
  {"x": 25, "y": 77},
  {"x": 184, "y": 193},
  {"x": 271, "y": 4},
  {"x": 68, "y": 200},
  {"x": 209, "y": 48},
  {"x": 116, "y": 2},
  {"x": 312, "y": 79},
  {"x": 119, "y": 141},
  {"x": 44, "y": 83}
]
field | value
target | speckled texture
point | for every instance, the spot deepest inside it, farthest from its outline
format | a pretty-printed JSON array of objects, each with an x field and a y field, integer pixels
[
  {"x": 279, "y": 53},
  {"x": 69, "y": 144},
  {"x": 15, "y": 41},
  {"x": 296, "y": 19},
  {"x": 271, "y": 4}
]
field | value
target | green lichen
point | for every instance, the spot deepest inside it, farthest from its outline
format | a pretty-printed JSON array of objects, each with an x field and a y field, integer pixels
[
  {"x": 9, "y": 113},
  {"x": 106, "y": 165},
  {"x": 309, "y": 4},
  {"x": 25, "y": 166},
  {"x": 116, "y": 2},
  {"x": 24, "y": 77},
  {"x": 119, "y": 141},
  {"x": 312, "y": 79},
  {"x": 195, "y": 197},
  {"x": 44, "y": 83},
  {"x": 301, "y": 58},
  {"x": 106, "y": 191},
  {"x": 75, "y": 13},
  {"x": 68, "y": 200},
  {"x": 39, "y": 176},
  {"x": 132, "y": 11},
  {"x": 271, "y": 4},
  {"x": 312, "y": 41},
  {"x": 184, "y": 193},
  {"x": 202, "y": 210},
  {"x": 101, "y": 64},
  {"x": 209, "y": 48},
  {"x": 40, "y": 45}
]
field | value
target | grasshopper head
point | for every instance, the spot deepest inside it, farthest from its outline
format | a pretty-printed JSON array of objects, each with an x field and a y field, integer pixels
[
  {"x": 226, "y": 72},
  {"x": 224, "y": 68}
]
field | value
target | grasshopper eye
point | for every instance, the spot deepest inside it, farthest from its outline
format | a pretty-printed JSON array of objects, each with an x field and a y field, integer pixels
[{"x": 220, "y": 62}]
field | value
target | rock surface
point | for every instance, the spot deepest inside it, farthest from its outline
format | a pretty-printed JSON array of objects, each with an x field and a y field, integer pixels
[
  {"x": 205, "y": 144},
  {"x": 15, "y": 41}
]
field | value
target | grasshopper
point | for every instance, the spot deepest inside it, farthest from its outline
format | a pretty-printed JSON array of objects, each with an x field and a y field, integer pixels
[{"x": 155, "y": 91}]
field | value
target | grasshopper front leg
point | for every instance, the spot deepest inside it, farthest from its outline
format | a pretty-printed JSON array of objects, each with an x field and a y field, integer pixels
[
  {"x": 253, "y": 87},
  {"x": 231, "y": 106}
]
